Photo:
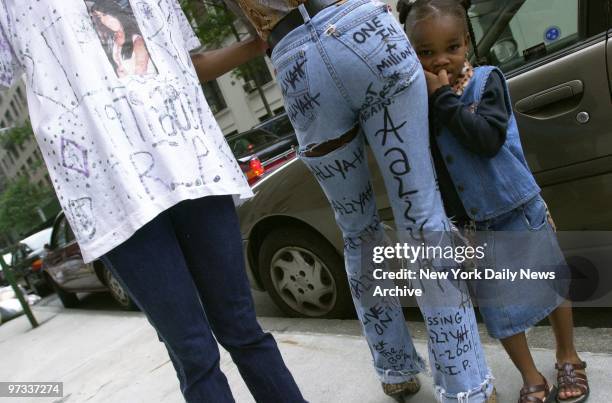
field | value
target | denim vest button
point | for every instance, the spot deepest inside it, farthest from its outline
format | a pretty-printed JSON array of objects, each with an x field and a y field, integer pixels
[
  {"x": 449, "y": 159},
  {"x": 474, "y": 211},
  {"x": 460, "y": 188}
]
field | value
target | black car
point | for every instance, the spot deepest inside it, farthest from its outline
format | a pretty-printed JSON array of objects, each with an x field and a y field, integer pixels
[
  {"x": 26, "y": 261},
  {"x": 264, "y": 147}
]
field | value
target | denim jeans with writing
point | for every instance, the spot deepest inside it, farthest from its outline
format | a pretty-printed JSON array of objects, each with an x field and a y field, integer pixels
[{"x": 352, "y": 65}]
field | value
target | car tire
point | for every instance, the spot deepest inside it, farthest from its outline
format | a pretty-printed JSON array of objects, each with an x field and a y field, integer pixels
[
  {"x": 68, "y": 299},
  {"x": 41, "y": 288},
  {"x": 304, "y": 275},
  {"x": 118, "y": 292}
]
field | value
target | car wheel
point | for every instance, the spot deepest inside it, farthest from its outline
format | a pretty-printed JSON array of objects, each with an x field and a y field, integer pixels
[
  {"x": 69, "y": 299},
  {"x": 41, "y": 288},
  {"x": 304, "y": 275},
  {"x": 117, "y": 291}
]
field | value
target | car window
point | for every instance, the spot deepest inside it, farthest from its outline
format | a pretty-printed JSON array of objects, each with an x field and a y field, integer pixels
[
  {"x": 59, "y": 234},
  {"x": 69, "y": 234},
  {"x": 536, "y": 30},
  {"x": 247, "y": 143},
  {"x": 19, "y": 254},
  {"x": 280, "y": 126}
]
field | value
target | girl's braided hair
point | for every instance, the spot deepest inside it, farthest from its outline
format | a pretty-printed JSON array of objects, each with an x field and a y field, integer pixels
[{"x": 411, "y": 11}]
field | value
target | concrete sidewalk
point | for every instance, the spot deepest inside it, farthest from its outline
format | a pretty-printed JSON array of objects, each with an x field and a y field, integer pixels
[{"x": 110, "y": 357}]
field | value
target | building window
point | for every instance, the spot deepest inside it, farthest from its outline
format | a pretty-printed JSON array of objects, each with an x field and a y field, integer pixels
[
  {"x": 14, "y": 108},
  {"x": 260, "y": 71},
  {"x": 214, "y": 96}
]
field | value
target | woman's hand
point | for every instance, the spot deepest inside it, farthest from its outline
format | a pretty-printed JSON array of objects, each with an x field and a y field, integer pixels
[{"x": 436, "y": 81}]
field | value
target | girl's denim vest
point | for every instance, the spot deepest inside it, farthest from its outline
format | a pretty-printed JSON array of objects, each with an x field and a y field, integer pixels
[{"x": 488, "y": 187}]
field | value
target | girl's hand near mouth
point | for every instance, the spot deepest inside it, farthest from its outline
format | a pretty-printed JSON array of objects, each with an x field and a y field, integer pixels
[{"x": 436, "y": 81}]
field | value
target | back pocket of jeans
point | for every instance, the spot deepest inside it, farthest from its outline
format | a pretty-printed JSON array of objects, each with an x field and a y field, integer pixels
[
  {"x": 292, "y": 76},
  {"x": 379, "y": 40}
]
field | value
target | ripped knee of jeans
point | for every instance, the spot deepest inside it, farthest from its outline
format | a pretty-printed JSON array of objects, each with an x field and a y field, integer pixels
[{"x": 321, "y": 149}]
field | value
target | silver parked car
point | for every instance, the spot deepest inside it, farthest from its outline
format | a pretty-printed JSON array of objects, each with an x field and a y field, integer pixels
[{"x": 557, "y": 55}]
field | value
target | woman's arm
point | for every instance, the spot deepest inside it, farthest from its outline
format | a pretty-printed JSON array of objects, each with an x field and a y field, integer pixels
[{"x": 214, "y": 63}]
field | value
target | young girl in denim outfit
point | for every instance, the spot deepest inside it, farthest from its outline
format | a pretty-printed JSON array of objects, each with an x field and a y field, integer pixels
[{"x": 487, "y": 186}]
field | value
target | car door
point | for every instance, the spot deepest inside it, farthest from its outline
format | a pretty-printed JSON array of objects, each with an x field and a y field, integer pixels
[
  {"x": 82, "y": 275},
  {"x": 54, "y": 260},
  {"x": 554, "y": 54}
]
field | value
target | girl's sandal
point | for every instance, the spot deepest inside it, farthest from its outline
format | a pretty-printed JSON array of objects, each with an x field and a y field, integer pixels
[
  {"x": 493, "y": 397},
  {"x": 550, "y": 393},
  {"x": 568, "y": 378}
]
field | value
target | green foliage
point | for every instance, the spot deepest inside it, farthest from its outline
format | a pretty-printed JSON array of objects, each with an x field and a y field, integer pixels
[
  {"x": 213, "y": 23},
  {"x": 18, "y": 205},
  {"x": 211, "y": 20},
  {"x": 16, "y": 136}
]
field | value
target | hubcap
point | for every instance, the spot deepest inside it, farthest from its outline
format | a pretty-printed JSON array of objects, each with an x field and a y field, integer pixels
[
  {"x": 303, "y": 281},
  {"x": 116, "y": 289}
]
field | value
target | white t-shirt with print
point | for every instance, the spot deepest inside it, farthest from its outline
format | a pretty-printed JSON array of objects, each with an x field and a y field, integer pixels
[{"x": 119, "y": 150}]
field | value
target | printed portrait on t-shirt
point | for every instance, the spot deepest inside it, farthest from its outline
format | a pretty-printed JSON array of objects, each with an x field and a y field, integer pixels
[{"x": 121, "y": 37}]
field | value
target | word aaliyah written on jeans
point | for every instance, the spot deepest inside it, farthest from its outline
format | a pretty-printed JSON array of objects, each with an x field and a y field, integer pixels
[{"x": 459, "y": 254}]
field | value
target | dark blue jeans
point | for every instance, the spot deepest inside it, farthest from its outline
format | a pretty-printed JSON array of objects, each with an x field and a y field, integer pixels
[{"x": 185, "y": 270}]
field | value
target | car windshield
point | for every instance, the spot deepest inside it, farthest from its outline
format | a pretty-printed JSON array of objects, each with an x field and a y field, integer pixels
[
  {"x": 281, "y": 126},
  {"x": 38, "y": 240},
  {"x": 260, "y": 136}
]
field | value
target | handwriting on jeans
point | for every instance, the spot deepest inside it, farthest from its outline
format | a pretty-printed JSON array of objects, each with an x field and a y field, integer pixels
[
  {"x": 374, "y": 103},
  {"x": 358, "y": 205},
  {"x": 377, "y": 100},
  {"x": 391, "y": 354},
  {"x": 399, "y": 167},
  {"x": 360, "y": 285},
  {"x": 303, "y": 105},
  {"x": 373, "y": 27},
  {"x": 393, "y": 59},
  {"x": 389, "y": 128},
  {"x": 371, "y": 229},
  {"x": 294, "y": 75},
  {"x": 379, "y": 317},
  {"x": 342, "y": 167},
  {"x": 450, "y": 343}
]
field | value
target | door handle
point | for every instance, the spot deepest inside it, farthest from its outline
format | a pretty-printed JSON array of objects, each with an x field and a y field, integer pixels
[{"x": 550, "y": 96}]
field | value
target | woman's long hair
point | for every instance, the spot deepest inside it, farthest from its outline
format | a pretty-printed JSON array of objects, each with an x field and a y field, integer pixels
[{"x": 125, "y": 16}]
